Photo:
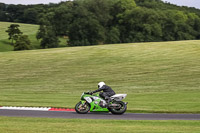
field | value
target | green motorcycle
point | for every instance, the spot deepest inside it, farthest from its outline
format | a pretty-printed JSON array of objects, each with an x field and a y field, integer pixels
[{"x": 94, "y": 103}]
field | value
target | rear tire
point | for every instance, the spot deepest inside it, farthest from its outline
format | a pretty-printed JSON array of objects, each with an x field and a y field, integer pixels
[
  {"x": 119, "y": 111},
  {"x": 82, "y": 108}
]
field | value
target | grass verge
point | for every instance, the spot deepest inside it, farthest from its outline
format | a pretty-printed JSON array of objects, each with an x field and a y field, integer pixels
[{"x": 46, "y": 125}]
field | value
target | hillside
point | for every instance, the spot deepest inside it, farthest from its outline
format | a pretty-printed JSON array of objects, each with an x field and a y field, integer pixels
[
  {"x": 27, "y": 29},
  {"x": 158, "y": 77}
]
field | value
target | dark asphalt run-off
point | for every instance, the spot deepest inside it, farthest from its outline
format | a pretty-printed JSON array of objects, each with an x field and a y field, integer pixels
[{"x": 74, "y": 115}]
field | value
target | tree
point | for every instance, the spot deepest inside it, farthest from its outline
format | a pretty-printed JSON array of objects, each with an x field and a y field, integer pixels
[
  {"x": 50, "y": 40},
  {"x": 113, "y": 35},
  {"x": 100, "y": 8},
  {"x": 125, "y": 5},
  {"x": 3, "y": 12},
  {"x": 22, "y": 43},
  {"x": 47, "y": 35},
  {"x": 13, "y": 32},
  {"x": 85, "y": 30},
  {"x": 30, "y": 15},
  {"x": 62, "y": 18},
  {"x": 15, "y": 12}
]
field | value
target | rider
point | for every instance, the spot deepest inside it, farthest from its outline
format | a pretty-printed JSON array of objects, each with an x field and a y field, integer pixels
[{"x": 107, "y": 91}]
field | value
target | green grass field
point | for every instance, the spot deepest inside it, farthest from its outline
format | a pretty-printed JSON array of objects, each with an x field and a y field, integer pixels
[
  {"x": 158, "y": 77},
  {"x": 27, "y": 29},
  {"x": 47, "y": 125}
]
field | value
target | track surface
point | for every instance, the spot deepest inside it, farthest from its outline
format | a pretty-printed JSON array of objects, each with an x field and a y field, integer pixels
[{"x": 74, "y": 115}]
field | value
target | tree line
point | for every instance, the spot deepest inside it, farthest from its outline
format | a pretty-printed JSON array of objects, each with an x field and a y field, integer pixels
[{"x": 92, "y": 22}]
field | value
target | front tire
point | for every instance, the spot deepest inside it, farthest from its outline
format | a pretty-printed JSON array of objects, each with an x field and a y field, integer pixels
[
  {"x": 82, "y": 108},
  {"x": 119, "y": 111}
]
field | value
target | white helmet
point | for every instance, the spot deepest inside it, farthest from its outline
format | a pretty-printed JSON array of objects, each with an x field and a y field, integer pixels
[{"x": 100, "y": 84}]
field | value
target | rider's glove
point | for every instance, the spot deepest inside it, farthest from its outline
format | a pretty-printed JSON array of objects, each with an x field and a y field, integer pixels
[{"x": 91, "y": 93}]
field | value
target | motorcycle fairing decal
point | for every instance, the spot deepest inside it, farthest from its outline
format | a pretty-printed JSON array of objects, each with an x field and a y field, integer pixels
[
  {"x": 95, "y": 97},
  {"x": 88, "y": 99}
]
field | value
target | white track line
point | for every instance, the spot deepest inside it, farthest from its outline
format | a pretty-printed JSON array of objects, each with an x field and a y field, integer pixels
[{"x": 26, "y": 108}]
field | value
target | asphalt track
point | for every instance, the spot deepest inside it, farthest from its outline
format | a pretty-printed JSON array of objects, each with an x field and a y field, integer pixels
[{"x": 74, "y": 115}]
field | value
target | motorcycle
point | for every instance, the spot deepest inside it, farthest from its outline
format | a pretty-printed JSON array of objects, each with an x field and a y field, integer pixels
[{"x": 94, "y": 103}]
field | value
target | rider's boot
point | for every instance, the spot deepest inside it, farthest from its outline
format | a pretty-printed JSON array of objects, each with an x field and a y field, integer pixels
[{"x": 108, "y": 100}]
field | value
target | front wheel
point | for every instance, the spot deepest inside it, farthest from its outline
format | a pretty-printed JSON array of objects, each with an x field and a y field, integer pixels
[
  {"x": 119, "y": 111},
  {"x": 82, "y": 108}
]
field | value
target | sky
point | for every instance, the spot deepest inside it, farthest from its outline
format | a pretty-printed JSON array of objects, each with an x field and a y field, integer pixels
[
  {"x": 26, "y": 2},
  {"x": 190, "y": 3}
]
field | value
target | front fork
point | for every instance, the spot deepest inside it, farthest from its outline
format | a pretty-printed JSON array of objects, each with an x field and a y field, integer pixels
[
  {"x": 91, "y": 105},
  {"x": 83, "y": 102}
]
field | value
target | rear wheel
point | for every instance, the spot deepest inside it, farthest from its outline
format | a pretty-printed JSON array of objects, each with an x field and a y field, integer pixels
[
  {"x": 82, "y": 108},
  {"x": 119, "y": 111}
]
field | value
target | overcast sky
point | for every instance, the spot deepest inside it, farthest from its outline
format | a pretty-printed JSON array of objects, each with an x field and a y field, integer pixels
[
  {"x": 190, "y": 3},
  {"x": 30, "y": 1}
]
